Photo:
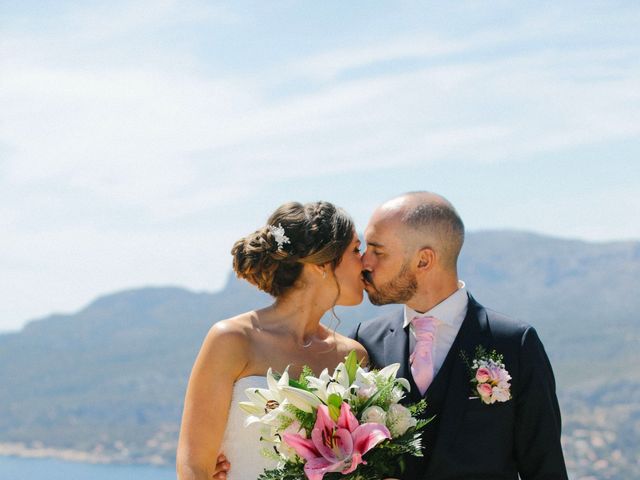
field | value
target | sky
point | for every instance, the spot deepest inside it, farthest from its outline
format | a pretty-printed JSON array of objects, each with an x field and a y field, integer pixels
[{"x": 140, "y": 139}]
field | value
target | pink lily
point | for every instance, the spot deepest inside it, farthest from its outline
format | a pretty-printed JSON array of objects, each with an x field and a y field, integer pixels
[{"x": 336, "y": 447}]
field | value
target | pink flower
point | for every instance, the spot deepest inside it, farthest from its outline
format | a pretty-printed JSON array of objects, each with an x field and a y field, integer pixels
[
  {"x": 336, "y": 447},
  {"x": 483, "y": 374},
  {"x": 485, "y": 390}
]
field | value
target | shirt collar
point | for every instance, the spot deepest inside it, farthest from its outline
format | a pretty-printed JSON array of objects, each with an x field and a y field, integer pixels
[{"x": 448, "y": 311}]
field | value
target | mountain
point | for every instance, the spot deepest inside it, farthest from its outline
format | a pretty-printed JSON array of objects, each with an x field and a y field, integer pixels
[
  {"x": 109, "y": 379},
  {"x": 106, "y": 383}
]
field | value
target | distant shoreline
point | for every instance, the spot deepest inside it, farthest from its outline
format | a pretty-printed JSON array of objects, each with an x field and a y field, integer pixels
[{"x": 21, "y": 450}]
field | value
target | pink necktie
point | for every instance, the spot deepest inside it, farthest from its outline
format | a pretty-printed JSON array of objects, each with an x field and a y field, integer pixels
[{"x": 422, "y": 357}]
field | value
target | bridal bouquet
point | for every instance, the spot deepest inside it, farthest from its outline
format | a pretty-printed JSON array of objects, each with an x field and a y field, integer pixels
[{"x": 348, "y": 425}]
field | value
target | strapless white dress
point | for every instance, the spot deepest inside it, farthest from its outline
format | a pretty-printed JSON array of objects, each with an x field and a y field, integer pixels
[{"x": 242, "y": 444}]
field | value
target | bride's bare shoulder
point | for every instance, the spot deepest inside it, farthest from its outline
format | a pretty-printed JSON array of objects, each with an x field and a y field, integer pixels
[
  {"x": 228, "y": 341},
  {"x": 238, "y": 326}
]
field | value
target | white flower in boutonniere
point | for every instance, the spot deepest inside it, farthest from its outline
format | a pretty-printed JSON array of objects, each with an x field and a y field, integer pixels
[{"x": 489, "y": 378}]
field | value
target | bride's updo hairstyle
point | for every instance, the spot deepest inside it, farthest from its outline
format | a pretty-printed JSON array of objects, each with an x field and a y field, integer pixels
[{"x": 317, "y": 233}]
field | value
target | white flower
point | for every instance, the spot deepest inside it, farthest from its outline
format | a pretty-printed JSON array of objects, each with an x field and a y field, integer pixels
[
  {"x": 390, "y": 371},
  {"x": 399, "y": 420},
  {"x": 302, "y": 399},
  {"x": 374, "y": 414},
  {"x": 499, "y": 394},
  {"x": 504, "y": 385},
  {"x": 397, "y": 394},
  {"x": 365, "y": 383},
  {"x": 278, "y": 235},
  {"x": 265, "y": 405},
  {"x": 286, "y": 451},
  {"x": 366, "y": 392},
  {"x": 325, "y": 385}
]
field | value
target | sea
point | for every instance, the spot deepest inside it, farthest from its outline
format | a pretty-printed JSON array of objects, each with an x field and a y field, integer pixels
[{"x": 13, "y": 468}]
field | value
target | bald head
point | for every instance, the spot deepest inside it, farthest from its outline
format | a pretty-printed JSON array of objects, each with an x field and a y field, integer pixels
[{"x": 427, "y": 220}]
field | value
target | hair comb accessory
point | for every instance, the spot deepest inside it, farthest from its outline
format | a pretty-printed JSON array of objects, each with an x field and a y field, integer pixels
[{"x": 278, "y": 235}]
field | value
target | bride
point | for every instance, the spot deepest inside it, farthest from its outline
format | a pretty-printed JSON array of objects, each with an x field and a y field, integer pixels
[{"x": 308, "y": 258}]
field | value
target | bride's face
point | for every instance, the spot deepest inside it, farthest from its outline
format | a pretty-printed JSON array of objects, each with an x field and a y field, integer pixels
[{"x": 349, "y": 275}]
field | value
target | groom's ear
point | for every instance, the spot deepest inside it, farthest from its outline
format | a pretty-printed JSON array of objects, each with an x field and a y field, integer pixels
[{"x": 426, "y": 259}]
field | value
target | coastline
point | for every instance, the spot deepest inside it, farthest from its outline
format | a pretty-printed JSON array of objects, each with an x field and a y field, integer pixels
[{"x": 37, "y": 450}]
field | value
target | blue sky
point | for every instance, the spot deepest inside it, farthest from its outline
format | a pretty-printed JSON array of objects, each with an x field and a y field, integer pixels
[{"x": 139, "y": 139}]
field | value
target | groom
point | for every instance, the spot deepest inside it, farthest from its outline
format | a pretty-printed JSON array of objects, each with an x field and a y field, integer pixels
[{"x": 413, "y": 243}]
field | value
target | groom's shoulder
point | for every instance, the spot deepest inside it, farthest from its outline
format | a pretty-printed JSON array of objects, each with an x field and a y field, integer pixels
[
  {"x": 507, "y": 334},
  {"x": 380, "y": 325},
  {"x": 502, "y": 325},
  {"x": 506, "y": 324}
]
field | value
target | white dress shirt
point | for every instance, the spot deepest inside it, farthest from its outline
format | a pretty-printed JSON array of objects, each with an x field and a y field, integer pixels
[{"x": 450, "y": 314}]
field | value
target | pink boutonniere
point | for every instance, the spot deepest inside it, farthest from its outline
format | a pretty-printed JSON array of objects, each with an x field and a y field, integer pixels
[{"x": 489, "y": 378}]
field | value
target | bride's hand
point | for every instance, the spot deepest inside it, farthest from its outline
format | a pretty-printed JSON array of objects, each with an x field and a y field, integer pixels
[{"x": 222, "y": 467}]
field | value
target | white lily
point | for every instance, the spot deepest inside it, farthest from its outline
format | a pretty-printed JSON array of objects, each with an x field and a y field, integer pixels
[
  {"x": 326, "y": 385},
  {"x": 367, "y": 382},
  {"x": 390, "y": 371},
  {"x": 265, "y": 405},
  {"x": 341, "y": 375},
  {"x": 302, "y": 399}
]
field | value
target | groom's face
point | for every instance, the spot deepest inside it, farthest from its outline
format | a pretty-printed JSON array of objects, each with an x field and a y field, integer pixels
[{"x": 387, "y": 269}]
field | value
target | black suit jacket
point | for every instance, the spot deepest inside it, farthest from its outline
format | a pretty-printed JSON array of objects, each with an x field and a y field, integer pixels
[{"x": 468, "y": 439}]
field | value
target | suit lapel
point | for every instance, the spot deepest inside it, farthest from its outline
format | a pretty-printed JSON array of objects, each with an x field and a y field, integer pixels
[{"x": 474, "y": 331}]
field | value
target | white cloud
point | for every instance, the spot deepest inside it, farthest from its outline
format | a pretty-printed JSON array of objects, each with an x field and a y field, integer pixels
[
  {"x": 89, "y": 125},
  {"x": 328, "y": 65}
]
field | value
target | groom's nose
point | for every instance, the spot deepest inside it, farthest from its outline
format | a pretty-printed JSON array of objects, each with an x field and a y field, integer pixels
[{"x": 366, "y": 260}]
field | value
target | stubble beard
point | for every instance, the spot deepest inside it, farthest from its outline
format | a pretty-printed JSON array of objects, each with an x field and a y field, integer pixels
[{"x": 400, "y": 289}]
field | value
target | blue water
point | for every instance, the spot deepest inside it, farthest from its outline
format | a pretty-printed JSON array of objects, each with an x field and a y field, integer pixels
[{"x": 46, "y": 469}]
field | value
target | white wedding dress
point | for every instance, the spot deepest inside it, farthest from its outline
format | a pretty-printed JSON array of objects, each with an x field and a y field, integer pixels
[{"x": 241, "y": 444}]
